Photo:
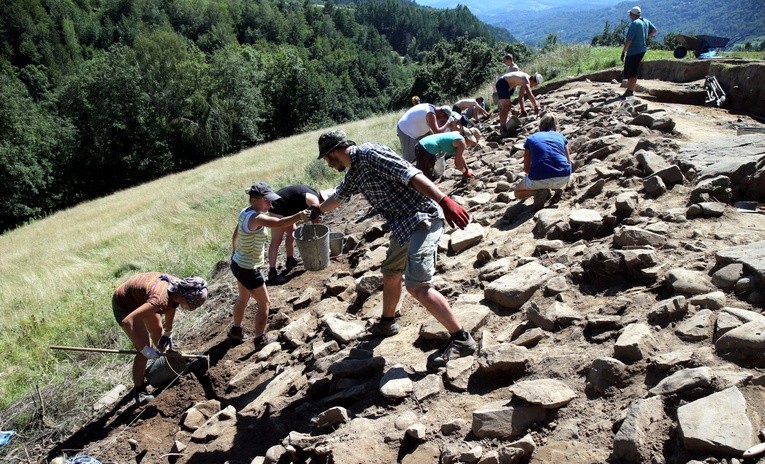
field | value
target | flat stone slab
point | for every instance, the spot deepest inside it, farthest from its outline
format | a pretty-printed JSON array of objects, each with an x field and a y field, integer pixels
[{"x": 548, "y": 393}]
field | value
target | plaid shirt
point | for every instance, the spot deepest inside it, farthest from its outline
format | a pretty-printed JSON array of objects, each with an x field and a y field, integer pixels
[{"x": 383, "y": 178}]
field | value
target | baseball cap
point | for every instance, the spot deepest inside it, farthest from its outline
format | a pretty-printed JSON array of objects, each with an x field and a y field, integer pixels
[
  {"x": 446, "y": 109},
  {"x": 328, "y": 141},
  {"x": 635, "y": 10},
  {"x": 261, "y": 189},
  {"x": 538, "y": 78}
]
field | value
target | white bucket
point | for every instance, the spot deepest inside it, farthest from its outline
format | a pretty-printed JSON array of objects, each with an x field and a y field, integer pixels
[
  {"x": 313, "y": 243},
  {"x": 336, "y": 242}
]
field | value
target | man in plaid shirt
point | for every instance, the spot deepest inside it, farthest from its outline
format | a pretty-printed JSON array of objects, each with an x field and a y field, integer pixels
[{"x": 415, "y": 209}]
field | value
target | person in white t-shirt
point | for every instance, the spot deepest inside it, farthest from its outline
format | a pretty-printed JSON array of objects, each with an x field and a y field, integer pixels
[{"x": 419, "y": 121}]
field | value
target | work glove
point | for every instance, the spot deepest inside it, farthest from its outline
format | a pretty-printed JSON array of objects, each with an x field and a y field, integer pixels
[
  {"x": 454, "y": 214},
  {"x": 622, "y": 56},
  {"x": 166, "y": 340},
  {"x": 150, "y": 352},
  {"x": 315, "y": 212}
]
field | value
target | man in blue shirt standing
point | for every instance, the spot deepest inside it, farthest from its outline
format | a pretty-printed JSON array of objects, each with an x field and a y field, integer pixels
[{"x": 635, "y": 46}]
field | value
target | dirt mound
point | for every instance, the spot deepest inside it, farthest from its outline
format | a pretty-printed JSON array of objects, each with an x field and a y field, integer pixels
[{"x": 608, "y": 320}]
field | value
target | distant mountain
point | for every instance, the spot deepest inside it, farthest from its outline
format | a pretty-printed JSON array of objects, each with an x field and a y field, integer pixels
[{"x": 531, "y": 22}]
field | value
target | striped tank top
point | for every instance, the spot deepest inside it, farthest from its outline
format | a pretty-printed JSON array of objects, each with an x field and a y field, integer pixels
[{"x": 250, "y": 250}]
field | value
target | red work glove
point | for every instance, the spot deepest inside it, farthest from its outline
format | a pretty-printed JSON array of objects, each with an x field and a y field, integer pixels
[{"x": 455, "y": 214}]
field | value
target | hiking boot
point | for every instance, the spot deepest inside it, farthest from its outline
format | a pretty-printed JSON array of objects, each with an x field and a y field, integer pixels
[
  {"x": 384, "y": 330},
  {"x": 453, "y": 350},
  {"x": 274, "y": 278},
  {"x": 263, "y": 340},
  {"x": 540, "y": 197},
  {"x": 292, "y": 263},
  {"x": 237, "y": 334},
  {"x": 628, "y": 93},
  {"x": 142, "y": 397}
]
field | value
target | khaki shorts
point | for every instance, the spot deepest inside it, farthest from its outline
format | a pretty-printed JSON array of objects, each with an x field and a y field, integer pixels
[{"x": 416, "y": 259}]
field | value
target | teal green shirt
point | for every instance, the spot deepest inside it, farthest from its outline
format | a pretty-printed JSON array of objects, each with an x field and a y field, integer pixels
[{"x": 443, "y": 142}]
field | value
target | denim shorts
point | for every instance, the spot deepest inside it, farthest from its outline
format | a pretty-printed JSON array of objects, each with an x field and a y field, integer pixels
[
  {"x": 416, "y": 259},
  {"x": 551, "y": 183}
]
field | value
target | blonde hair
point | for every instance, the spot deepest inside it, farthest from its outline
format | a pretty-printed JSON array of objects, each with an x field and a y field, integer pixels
[
  {"x": 415, "y": 100},
  {"x": 548, "y": 122}
]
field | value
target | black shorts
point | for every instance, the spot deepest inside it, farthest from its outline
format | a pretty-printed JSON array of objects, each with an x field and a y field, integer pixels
[
  {"x": 250, "y": 278},
  {"x": 631, "y": 65}
]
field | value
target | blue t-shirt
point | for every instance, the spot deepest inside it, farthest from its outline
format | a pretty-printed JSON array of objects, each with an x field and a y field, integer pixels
[
  {"x": 638, "y": 32},
  {"x": 548, "y": 155}
]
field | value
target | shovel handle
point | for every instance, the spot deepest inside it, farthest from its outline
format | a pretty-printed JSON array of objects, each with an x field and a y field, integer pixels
[{"x": 108, "y": 350}]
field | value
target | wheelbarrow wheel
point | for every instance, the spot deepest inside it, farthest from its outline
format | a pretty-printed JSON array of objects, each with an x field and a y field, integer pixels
[{"x": 680, "y": 52}]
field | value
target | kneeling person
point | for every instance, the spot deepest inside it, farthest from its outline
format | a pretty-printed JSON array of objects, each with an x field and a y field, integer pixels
[{"x": 546, "y": 161}]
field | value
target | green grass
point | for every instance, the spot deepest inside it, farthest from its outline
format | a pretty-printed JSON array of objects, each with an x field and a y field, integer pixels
[{"x": 57, "y": 274}]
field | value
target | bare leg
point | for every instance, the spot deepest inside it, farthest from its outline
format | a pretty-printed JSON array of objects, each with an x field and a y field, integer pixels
[
  {"x": 504, "y": 109},
  {"x": 273, "y": 248},
  {"x": 631, "y": 83},
  {"x": 241, "y": 303},
  {"x": 391, "y": 293},
  {"x": 437, "y": 305},
  {"x": 289, "y": 245},
  {"x": 264, "y": 305}
]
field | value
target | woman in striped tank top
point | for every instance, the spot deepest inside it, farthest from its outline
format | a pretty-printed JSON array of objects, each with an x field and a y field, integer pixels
[{"x": 249, "y": 243}]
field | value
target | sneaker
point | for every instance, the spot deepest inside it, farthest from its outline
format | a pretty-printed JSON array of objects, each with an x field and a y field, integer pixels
[
  {"x": 384, "y": 330},
  {"x": 453, "y": 350},
  {"x": 628, "y": 93},
  {"x": 274, "y": 278},
  {"x": 142, "y": 398},
  {"x": 263, "y": 340},
  {"x": 540, "y": 197},
  {"x": 292, "y": 263},
  {"x": 237, "y": 334}
]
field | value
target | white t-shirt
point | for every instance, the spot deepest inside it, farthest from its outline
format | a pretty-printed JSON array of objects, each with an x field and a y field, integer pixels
[{"x": 413, "y": 122}]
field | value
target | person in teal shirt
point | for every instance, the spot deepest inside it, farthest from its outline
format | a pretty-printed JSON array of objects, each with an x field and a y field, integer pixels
[
  {"x": 445, "y": 145},
  {"x": 635, "y": 46}
]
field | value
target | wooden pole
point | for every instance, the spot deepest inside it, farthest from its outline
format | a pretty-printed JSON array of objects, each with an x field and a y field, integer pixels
[{"x": 113, "y": 351}]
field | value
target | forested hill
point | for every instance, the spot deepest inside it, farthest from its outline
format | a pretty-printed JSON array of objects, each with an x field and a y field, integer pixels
[{"x": 100, "y": 95}]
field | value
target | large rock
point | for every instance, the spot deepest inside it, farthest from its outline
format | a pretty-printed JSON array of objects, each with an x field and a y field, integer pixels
[
  {"x": 752, "y": 256},
  {"x": 746, "y": 342},
  {"x": 514, "y": 289},
  {"x": 740, "y": 158},
  {"x": 635, "y": 343},
  {"x": 548, "y": 393},
  {"x": 642, "y": 426},
  {"x": 503, "y": 420},
  {"x": 717, "y": 423}
]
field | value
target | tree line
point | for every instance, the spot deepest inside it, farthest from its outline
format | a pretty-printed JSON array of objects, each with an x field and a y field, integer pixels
[{"x": 101, "y": 95}]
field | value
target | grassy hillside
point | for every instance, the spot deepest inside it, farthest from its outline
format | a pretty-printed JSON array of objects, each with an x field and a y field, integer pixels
[{"x": 57, "y": 274}]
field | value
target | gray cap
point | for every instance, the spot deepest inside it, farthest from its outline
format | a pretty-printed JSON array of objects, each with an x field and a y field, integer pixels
[{"x": 261, "y": 189}]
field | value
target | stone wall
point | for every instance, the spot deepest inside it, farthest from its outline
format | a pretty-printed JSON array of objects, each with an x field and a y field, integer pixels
[{"x": 740, "y": 79}]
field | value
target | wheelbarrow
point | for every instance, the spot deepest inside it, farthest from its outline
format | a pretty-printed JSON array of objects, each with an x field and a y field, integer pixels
[{"x": 699, "y": 45}]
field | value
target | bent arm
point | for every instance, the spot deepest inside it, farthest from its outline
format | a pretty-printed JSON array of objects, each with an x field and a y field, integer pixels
[
  {"x": 264, "y": 220},
  {"x": 459, "y": 155}
]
